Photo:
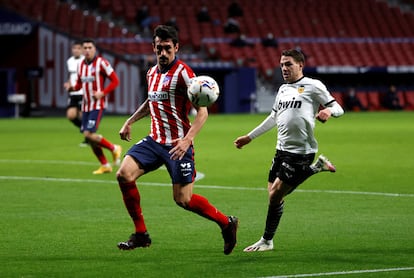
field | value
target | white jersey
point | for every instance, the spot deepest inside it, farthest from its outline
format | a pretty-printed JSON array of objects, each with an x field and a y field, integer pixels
[
  {"x": 296, "y": 105},
  {"x": 294, "y": 112},
  {"x": 72, "y": 65}
]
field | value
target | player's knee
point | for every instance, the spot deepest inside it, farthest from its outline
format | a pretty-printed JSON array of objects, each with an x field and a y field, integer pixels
[
  {"x": 122, "y": 176},
  {"x": 182, "y": 202},
  {"x": 71, "y": 115}
]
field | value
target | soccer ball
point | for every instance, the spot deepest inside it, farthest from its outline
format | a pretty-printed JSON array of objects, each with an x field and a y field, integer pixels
[{"x": 203, "y": 90}]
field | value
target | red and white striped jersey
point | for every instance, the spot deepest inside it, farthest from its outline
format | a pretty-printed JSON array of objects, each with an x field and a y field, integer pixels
[
  {"x": 91, "y": 78},
  {"x": 168, "y": 101}
]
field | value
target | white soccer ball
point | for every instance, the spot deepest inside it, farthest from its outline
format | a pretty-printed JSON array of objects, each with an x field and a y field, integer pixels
[{"x": 203, "y": 91}]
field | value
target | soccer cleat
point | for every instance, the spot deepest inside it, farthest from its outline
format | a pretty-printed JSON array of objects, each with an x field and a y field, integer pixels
[
  {"x": 103, "y": 169},
  {"x": 116, "y": 155},
  {"x": 135, "y": 240},
  {"x": 261, "y": 245},
  {"x": 84, "y": 143},
  {"x": 323, "y": 164},
  {"x": 229, "y": 234}
]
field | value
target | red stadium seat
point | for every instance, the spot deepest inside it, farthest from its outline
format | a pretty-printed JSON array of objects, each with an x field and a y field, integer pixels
[
  {"x": 363, "y": 98},
  {"x": 409, "y": 100},
  {"x": 63, "y": 16},
  {"x": 89, "y": 26},
  {"x": 374, "y": 101},
  {"x": 338, "y": 97}
]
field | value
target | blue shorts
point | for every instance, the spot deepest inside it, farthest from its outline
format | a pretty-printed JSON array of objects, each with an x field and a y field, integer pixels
[
  {"x": 91, "y": 120},
  {"x": 151, "y": 155}
]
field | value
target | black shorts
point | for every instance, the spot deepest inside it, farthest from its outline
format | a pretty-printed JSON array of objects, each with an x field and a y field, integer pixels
[
  {"x": 291, "y": 168},
  {"x": 75, "y": 101}
]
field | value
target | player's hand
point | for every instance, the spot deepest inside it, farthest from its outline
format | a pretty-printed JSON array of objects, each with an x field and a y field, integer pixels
[
  {"x": 323, "y": 115},
  {"x": 98, "y": 95},
  {"x": 67, "y": 86},
  {"x": 180, "y": 148},
  {"x": 125, "y": 132},
  {"x": 241, "y": 141}
]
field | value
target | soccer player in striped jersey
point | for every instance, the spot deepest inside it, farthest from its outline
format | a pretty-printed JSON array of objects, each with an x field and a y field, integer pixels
[
  {"x": 92, "y": 73},
  {"x": 169, "y": 143},
  {"x": 294, "y": 111}
]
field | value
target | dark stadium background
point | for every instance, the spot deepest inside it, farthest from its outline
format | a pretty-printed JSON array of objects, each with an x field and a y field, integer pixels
[{"x": 366, "y": 44}]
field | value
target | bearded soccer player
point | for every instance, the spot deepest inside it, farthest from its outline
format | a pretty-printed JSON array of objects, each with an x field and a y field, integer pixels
[
  {"x": 92, "y": 73},
  {"x": 294, "y": 112},
  {"x": 169, "y": 143}
]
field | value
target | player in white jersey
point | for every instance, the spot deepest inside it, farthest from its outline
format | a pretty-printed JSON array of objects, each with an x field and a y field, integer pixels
[
  {"x": 74, "y": 108},
  {"x": 294, "y": 112},
  {"x": 169, "y": 143}
]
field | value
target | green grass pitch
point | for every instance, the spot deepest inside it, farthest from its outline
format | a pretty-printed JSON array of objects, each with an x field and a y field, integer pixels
[{"x": 59, "y": 220}]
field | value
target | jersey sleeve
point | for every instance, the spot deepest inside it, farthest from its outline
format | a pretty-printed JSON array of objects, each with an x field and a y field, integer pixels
[
  {"x": 187, "y": 74},
  {"x": 327, "y": 100},
  {"x": 323, "y": 95},
  {"x": 106, "y": 66}
]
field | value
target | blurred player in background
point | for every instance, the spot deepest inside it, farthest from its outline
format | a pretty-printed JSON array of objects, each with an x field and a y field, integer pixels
[
  {"x": 170, "y": 143},
  {"x": 92, "y": 72},
  {"x": 294, "y": 111},
  {"x": 74, "y": 109}
]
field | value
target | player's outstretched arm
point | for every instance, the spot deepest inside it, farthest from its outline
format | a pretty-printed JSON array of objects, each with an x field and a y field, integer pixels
[
  {"x": 241, "y": 141},
  {"x": 182, "y": 144},
  {"x": 141, "y": 112}
]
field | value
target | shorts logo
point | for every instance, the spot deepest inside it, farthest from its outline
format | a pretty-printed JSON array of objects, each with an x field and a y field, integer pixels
[
  {"x": 287, "y": 166},
  {"x": 186, "y": 169},
  {"x": 91, "y": 123}
]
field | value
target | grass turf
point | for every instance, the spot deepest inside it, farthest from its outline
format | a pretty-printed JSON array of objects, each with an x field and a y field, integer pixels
[{"x": 59, "y": 220}]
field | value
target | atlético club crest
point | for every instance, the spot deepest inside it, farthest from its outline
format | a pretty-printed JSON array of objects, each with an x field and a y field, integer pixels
[{"x": 166, "y": 81}]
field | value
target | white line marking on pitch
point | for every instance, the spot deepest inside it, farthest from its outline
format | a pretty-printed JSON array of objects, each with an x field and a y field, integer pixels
[
  {"x": 201, "y": 186},
  {"x": 343, "y": 272},
  {"x": 199, "y": 175}
]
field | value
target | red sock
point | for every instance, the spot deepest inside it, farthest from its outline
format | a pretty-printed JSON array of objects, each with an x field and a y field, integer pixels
[
  {"x": 99, "y": 154},
  {"x": 106, "y": 144},
  {"x": 201, "y": 206},
  {"x": 132, "y": 201}
]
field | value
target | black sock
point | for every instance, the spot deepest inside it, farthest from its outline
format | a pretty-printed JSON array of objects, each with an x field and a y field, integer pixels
[
  {"x": 76, "y": 122},
  {"x": 274, "y": 213}
]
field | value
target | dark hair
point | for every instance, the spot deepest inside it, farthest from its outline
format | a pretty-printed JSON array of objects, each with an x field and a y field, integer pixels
[
  {"x": 76, "y": 42},
  {"x": 89, "y": 40},
  {"x": 297, "y": 55},
  {"x": 165, "y": 32}
]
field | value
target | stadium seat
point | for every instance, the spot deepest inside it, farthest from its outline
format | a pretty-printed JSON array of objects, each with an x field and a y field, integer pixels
[
  {"x": 89, "y": 28},
  {"x": 49, "y": 12},
  {"x": 374, "y": 101},
  {"x": 409, "y": 99},
  {"x": 338, "y": 97},
  {"x": 400, "y": 95},
  {"x": 63, "y": 17},
  {"x": 76, "y": 23},
  {"x": 363, "y": 98}
]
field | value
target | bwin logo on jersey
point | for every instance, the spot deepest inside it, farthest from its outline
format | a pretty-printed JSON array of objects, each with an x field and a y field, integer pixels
[{"x": 289, "y": 104}]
